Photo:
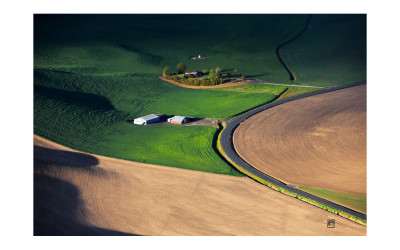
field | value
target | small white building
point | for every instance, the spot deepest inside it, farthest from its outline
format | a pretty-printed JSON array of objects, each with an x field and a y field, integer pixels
[
  {"x": 178, "y": 119},
  {"x": 147, "y": 119}
]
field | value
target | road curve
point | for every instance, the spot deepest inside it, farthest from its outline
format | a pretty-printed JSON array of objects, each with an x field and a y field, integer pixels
[{"x": 227, "y": 145}]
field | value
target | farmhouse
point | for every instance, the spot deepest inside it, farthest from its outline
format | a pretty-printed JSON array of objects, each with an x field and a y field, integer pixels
[
  {"x": 147, "y": 119},
  {"x": 178, "y": 119},
  {"x": 194, "y": 73}
]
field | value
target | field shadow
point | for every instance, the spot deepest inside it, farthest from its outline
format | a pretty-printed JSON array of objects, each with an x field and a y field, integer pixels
[
  {"x": 91, "y": 101},
  {"x": 56, "y": 208},
  {"x": 227, "y": 70},
  {"x": 65, "y": 158},
  {"x": 258, "y": 75},
  {"x": 39, "y": 74},
  {"x": 145, "y": 57}
]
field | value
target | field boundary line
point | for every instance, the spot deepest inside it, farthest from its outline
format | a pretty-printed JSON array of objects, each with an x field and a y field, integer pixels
[{"x": 302, "y": 32}]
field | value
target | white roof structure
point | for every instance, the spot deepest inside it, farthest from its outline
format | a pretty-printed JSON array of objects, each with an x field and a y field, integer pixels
[
  {"x": 148, "y": 117},
  {"x": 144, "y": 120},
  {"x": 178, "y": 118}
]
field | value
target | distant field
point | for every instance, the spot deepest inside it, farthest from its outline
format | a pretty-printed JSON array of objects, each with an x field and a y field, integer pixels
[
  {"x": 331, "y": 53},
  {"x": 102, "y": 44}
]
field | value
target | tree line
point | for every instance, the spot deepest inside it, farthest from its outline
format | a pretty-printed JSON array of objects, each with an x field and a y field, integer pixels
[
  {"x": 196, "y": 81},
  {"x": 214, "y": 76}
]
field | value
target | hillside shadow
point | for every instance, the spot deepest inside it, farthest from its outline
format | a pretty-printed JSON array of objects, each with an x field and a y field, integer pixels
[
  {"x": 258, "y": 75},
  {"x": 39, "y": 74},
  {"x": 56, "y": 206},
  {"x": 75, "y": 98},
  {"x": 145, "y": 57},
  {"x": 65, "y": 158}
]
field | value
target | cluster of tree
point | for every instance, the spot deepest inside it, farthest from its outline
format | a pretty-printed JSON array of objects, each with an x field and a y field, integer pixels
[
  {"x": 215, "y": 73},
  {"x": 214, "y": 76},
  {"x": 181, "y": 67},
  {"x": 189, "y": 80},
  {"x": 166, "y": 71}
]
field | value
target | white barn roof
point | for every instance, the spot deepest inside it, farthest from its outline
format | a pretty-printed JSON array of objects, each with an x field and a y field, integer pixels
[
  {"x": 178, "y": 118},
  {"x": 148, "y": 117}
]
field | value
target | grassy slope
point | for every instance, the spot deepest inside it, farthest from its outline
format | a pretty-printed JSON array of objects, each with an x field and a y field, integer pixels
[
  {"x": 95, "y": 72},
  {"x": 356, "y": 202},
  {"x": 256, "y": 88},
  {"x": 146, "y": 43},
  {"x": 331, "y": 53},
  {"x": 89, "y": 113}
]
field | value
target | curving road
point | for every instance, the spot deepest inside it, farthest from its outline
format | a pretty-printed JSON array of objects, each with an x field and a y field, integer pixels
[{"x": 227, "y": 145}]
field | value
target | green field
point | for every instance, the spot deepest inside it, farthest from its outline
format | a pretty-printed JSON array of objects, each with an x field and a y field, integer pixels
[
  {"x": 274, "y": 89},
  {"x": 103, "y": 44},
  {"x": 331, "y": 53},
  {"x": 92, "y": 73},
  {"x": 90, "y": 113},
  {"x": 357, "y": 202}
]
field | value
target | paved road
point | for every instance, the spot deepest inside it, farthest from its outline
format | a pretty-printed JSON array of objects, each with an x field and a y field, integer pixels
[{"x": 229, "y": 149}]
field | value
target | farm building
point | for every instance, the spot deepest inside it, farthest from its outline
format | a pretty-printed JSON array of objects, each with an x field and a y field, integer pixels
[
  {"x": 178, "y": 119},
  {"x": 193, "y": 73},
  {"x": 197, "y": 57},
  {"x": 147, "y": 119}
]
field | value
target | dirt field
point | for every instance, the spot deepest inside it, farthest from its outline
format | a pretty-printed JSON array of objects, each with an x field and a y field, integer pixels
[
  {"x": 318, "y": 141},
  {"x": 83, "y": 194}
]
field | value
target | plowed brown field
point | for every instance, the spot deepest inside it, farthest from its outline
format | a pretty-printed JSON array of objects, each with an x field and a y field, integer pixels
[
  {"x": 319, "y": 141},
  {"x": 84, "y": 194}
]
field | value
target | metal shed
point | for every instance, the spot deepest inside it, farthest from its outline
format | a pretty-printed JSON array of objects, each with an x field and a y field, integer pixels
[
  {"x": 178, "y": 119},
  {"x": 144, "y": 120}
]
